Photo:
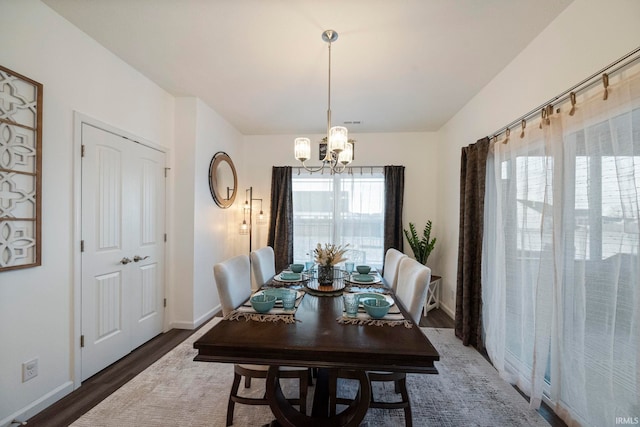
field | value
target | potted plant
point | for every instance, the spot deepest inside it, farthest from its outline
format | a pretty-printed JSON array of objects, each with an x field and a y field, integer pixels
[
  {"x": 326, "y": 257},
  {"x": 421, "y": 246}
]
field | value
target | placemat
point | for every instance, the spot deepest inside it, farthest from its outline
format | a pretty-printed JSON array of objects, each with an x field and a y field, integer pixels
[
  {"x": 391, "y": 319},
  {"x": 276, "y": 314}
]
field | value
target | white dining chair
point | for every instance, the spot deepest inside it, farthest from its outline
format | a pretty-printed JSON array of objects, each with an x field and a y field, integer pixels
[
  {"x": 233, "y": 280},
  {"x": 411, "y": 290},
  {"x": 263, "y": 265},
  {"x": 391, "y": 265},
  {"x": 413, "y": 281}
]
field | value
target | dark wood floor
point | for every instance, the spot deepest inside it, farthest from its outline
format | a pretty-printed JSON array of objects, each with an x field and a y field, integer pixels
[
  {"x": 98, "y": 387},
  {"x": 107, "y": 381}
]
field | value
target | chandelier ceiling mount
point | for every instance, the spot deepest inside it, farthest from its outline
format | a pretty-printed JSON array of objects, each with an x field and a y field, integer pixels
[{"x": 339, "y": 151}]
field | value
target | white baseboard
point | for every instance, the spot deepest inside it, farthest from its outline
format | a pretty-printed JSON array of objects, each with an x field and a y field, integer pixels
[
  {"x": 207, "y": 316},
  {"x": 451, "y": 313},
  {"x": 187, "y": 324},
  {"x": 38, "y": 405}
]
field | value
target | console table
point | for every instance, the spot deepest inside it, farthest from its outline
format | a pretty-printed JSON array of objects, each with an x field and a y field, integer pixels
[{"x": 433, "y": 294}]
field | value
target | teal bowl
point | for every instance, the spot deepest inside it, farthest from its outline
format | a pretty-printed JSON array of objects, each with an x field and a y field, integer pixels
[
  {"x": 297, "y": 268},
  {"x": 263, "y": 303},
  {"x": 363, "y": 269},
  {"x": 376, "y": 308}
]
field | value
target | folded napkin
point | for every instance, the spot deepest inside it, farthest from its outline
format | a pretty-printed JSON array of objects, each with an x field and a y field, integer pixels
[{"x": 290, "y": 276}]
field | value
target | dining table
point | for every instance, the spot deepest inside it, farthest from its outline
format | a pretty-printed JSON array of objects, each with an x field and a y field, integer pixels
[{"x": 318, "y": 337}]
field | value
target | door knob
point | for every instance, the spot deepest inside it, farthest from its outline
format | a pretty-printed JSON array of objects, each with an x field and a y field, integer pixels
[
  {"x": 125, "y": 261},
  {"x": 137, "y": 258}
]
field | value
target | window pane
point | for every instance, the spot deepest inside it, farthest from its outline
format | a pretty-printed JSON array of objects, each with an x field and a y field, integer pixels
[{"x": 341, "y": 209}]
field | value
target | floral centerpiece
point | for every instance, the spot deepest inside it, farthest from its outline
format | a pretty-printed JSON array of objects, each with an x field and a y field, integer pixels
[{"x": 326, "y": 257}]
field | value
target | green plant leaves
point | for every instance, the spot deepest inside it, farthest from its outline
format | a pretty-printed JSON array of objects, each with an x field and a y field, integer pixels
[{"x": 421, "y": 246}]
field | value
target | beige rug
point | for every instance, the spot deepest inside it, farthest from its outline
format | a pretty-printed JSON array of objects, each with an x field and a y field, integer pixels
[{"x": 176, "y": 391}]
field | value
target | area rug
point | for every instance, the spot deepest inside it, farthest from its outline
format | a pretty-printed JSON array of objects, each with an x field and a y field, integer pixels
[{"x": 176, "y": 391}]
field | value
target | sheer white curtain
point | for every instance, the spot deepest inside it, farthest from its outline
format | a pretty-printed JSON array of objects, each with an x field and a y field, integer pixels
[
  {"x": 561, "y": 266},
  {"x": 340, "y": 208}
]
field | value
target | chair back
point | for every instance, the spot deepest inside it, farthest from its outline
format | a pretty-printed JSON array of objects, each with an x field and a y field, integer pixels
[
  {"x": 263, "y": 265},
  {"x": 233, "y": 280},
  {"x": 413, "y": 282},
  {"x": 391, "y": 265}
]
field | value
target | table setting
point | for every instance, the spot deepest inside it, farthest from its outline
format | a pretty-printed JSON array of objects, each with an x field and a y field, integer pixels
[
  {"x": 269, "y": 305},
  {"x": 336, "y": 322},
  {"x": 375, "y": 309}
]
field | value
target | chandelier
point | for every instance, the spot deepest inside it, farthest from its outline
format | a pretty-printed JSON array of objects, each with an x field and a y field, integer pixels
[{"x": 339, "y": 150}]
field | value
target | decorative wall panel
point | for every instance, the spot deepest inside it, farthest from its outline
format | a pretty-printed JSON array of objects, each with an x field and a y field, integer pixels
[{"x": 20, "y": 170}]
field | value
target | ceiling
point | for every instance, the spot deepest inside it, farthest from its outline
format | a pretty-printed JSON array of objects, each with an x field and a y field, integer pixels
[{"x": 397, "y": 66}]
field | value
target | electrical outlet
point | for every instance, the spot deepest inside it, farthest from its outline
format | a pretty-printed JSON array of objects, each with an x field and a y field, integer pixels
[{"x": 29, "y": 369}]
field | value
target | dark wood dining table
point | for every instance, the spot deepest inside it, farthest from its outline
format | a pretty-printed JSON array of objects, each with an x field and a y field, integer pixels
[{"x": 318, "y": 340}]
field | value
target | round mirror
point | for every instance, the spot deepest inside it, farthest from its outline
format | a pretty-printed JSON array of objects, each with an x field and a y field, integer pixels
[{"x": 223, "y": 181}]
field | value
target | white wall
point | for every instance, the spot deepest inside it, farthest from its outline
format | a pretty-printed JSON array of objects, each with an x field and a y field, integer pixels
[
  {"x": 418, "y": 152},
  {"x": 36, "y": 304},
  {"x": 180, "y": 298},
  {"x": 215, "y": 229},
  {"x": 587, "y": 36}
]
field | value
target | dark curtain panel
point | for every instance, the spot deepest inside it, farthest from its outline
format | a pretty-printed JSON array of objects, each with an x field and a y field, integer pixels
[
  {"x": 469, "y": 289},
  {"x": 393, "y": 199},
  {"x": 281, "y": 225}
]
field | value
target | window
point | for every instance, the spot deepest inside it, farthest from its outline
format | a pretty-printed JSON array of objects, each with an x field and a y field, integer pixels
[
  {"x": 345, "y": 208},
  {"x": 561, "y": 262}
]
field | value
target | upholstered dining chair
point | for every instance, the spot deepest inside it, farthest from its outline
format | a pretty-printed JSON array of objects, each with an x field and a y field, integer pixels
[
  {"x": 413, "y": 281},
  {"x": 263, "y": 265},
  {"x": 391, "y": 265},
  {"x": 411, "y": 290},
  {"x": 233, "y": 280}
]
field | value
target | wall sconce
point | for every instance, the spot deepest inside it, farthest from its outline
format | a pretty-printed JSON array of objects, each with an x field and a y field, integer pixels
[{"x": 246, "y": 228}]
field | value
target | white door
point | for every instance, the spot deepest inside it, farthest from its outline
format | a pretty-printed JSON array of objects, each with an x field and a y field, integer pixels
[{"x": 123, "y": 247}]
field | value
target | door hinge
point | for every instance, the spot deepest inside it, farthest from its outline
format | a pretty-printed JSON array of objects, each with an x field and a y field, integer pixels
[
  {"x": 165, "y": 302},
  {"x": 81, "y": 245},
  {"x": 82, "y": 151},
  {"x": 81, "y": 341},
  {"x": 165, "y": 237},
  {"x": 166, "y": 171}
]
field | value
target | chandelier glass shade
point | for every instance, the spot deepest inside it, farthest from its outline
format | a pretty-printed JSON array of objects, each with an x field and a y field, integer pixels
[{"x": 339, "y": 151}]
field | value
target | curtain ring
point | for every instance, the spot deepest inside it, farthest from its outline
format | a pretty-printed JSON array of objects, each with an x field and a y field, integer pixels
[
  {"x": 572, "y": 95},
  {"x": 506, "y": 136},
  {"x": 523, "y": 124},
  {"x": 605, "y": 82},
  {"x": 543, "y": 116},
  {"x": 549, "y": 109}
]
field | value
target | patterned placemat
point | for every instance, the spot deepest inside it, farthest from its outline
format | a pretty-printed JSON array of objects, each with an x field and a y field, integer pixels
[{"x": 364, "y": 319}]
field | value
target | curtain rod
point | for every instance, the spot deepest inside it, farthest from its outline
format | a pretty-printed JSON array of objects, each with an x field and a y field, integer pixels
[
  {"x": 584, "y": 84},
  {"x": 348, "y": 169}
]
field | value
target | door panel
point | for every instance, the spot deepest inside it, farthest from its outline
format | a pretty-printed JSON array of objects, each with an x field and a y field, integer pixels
[
  {"x": 122, "y": 217},
  {"x": 148, "y": 244}
]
